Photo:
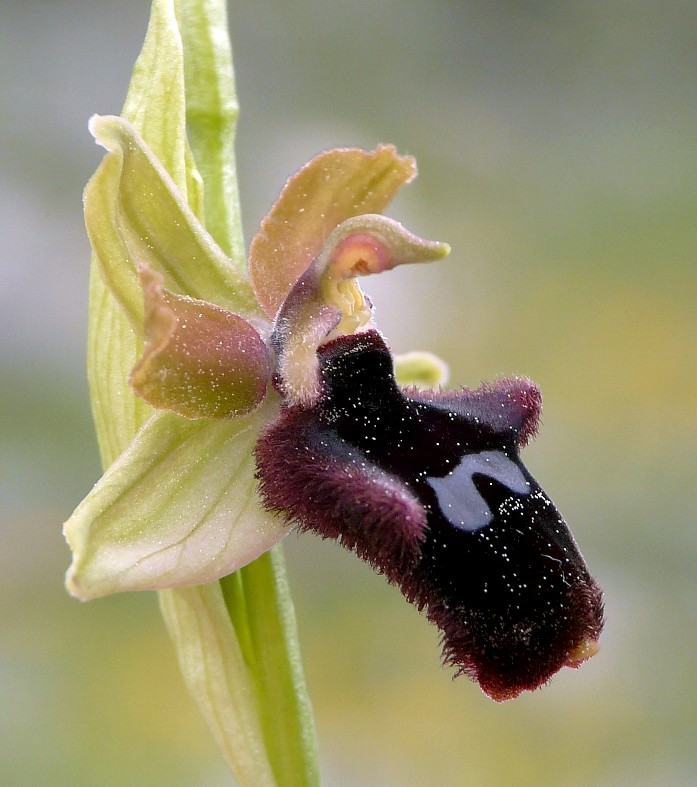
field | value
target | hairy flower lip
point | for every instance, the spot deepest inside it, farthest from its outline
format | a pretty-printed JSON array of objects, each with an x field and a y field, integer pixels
[{"x": 493, "y": 564}]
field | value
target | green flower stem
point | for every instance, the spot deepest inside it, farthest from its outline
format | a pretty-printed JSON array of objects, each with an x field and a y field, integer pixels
[
  {"x": 236, "y": 638},
  {"x": 272, "y": 643}
]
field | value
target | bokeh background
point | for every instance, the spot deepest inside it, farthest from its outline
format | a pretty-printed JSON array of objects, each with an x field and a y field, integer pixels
[{"x": 557, "y": 144}]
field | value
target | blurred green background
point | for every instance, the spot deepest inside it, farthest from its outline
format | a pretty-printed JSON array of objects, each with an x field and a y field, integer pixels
[{"x": 558, "y": 156}]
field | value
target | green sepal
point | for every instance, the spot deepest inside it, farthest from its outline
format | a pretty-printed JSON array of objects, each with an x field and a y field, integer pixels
[
  {"x": 136, "y": 215},
  {"x": 178, "y": 507}
]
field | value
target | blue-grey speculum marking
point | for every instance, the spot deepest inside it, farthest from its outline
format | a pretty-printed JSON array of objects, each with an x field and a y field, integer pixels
[{"x": 459, "y": 499}]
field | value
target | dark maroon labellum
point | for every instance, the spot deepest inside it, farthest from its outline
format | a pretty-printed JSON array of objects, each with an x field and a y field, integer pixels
[{"x": 429, "y": 488}]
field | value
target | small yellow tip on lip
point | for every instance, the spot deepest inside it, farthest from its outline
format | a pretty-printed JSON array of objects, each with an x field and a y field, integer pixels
[{"x": 582, "y": 652}]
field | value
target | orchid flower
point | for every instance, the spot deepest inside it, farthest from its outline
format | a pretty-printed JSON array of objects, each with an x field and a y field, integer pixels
[
  {"x": 277, "y": 404},
  {"x": 296, "y": 388}
]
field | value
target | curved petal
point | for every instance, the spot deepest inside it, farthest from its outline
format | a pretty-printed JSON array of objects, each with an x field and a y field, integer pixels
[
  {"x": 326, "y": 301},
  {"x": 135, "y": 214},
  {"x": 178, "y": 507},
  {"x": 361, "y": 246},
  {"x": 332, "y": 187},
  {"x": 200, "y": 361}
]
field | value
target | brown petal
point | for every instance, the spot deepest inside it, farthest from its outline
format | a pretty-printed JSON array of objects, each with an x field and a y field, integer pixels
[
  {"x": 200, "y": 360},
  {"x": 332, "y": 187},
  {"x": 326, "y": 301}
]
